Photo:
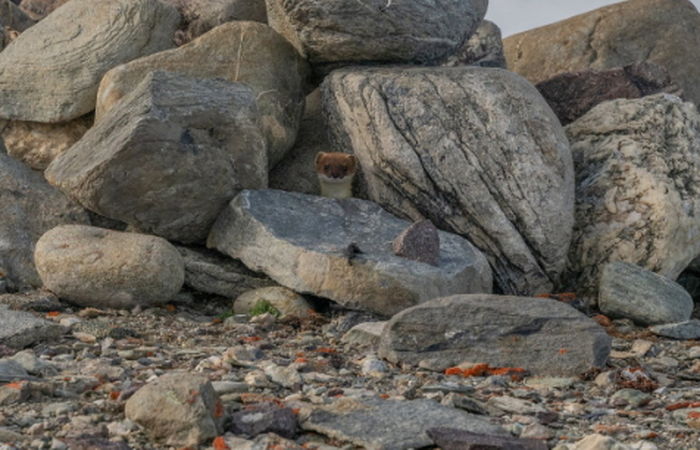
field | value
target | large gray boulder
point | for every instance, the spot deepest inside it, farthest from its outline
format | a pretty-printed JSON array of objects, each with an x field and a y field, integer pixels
[
  {"x": 101, "y": 268},
  {"x": 332, "y": 31},
  {"x": 543, "y": 336},
  {"x": 665, "y": 32},
  {"x": 637, "y": 188},
  {"x": 169, "y": 157},
  {"x": 250, "y": 53},
  {"x": 51, "y": 72},
  {"x": 477, "y": 151},
  {"x": 341, "y": 250},
  {"x": 30, "y": 207}
]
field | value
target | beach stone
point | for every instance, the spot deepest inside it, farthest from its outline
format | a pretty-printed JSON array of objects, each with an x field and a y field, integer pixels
[
  {"x": 451, "y": 144},
  {"x": 484, "y": 48},
  {"x": 543, "y": 336},
  {"x": 629, "y": 291},
  {"x": 95, "y": 267},
  {"x": 20, "y": 329},
  {"x": 637, "y": 188},
  {"x": 286, "y": 301},
  {"x": 250, "y": 53},
  {"x": 210, "y": 147},
  {"x": 689, "y": 329},
  {"x": 419, "y": 242},
  {"x": 82, "y": 40},
  {"x": 344, "y": 254}
]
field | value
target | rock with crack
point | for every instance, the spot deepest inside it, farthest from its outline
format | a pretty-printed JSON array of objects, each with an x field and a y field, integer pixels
[
  {"x": 637, "y": 188},
  {"x": 477, "y": 151},
  {"x": 665, "y": 32},
  {"x": 484, "y": 48},
  {"x": 542, "y": 336},
  {"x": 209, "y": 147},
  {"x": 250, "y": 53},
  {"x": 303, "y": 241},
  {"x": 52, "y": 71}
]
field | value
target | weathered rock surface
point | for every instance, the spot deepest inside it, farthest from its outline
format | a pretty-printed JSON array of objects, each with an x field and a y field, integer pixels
[
  {"x": 37, "y": 144},
  {"x": 341, "y": 250},
  {"x": 178, "y": 409},
  {"x": 628, "y": 291},
  {"x": 365, "y": 334},
  {"x": 665, "y": 32},
  {"x": 543, "y": 336},
  {"x": 477, "y": 151},
  {"x": 456, "y": 439},
  {"x": 201, "y": 16},
  {"x": 340, "y": 31},
  {"x": 209, "y": 148},
  {"x": 38, "y": 9},
  {"x": 108, "y": 269},
  {"x": 264, "y": 418},
  {"x": 19, "y": 329},
  {"x": 572, "y": 94},
  {"x": 244, "y": 52},
  {"x": 52, "y": 71},
  {"x": 484, "y": 48},
  {"x": 12, "y": 20},
  {"x": 689, "y": 329},
  {"x": 637, "y": 187},
  {"x": 30, "y": 207},
  {"x": 286, "y": 301},
  {"x": 378, "y": 424},
  {"x": 419, "y": 242}
]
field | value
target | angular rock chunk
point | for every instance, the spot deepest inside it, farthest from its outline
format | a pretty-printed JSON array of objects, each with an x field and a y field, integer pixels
[
  {"x": 51, "y": 72},
  {"x": 419, "y": 242},
  {"x": 375, "y": 30},
  {"x": 341, "y": 250},
  {"x": 665, "y": 32},
  {"x": 30, "y": 207},
  {"x": 484, "y": 48},
  {"x": 628, "y": 291},
  {"x": 178, "y": 409},
  {"x": 637, "y": 188},
  {"x": 92, "y": 266},
  {"x": 244, "y": 52},
  {"x": 378, "y": 424},
  {"x": 264, "y": 418},
  {"x": 19, "y": 329},
  {"x": 543, "y": 336},
  {"x": 690, "y": 329},
  {"x": 169, "y": 157},
  {"x": 477, "y": 151}
]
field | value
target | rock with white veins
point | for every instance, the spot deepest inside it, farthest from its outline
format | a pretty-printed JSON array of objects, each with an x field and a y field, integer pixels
[{"x": 341, "y": 250}]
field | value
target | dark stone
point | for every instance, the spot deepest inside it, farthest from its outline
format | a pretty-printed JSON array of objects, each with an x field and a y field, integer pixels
[
  {"x": 454, "y": 439},
  {"x": 265, "y": 418},
  {"x": 419, "y": 242}
]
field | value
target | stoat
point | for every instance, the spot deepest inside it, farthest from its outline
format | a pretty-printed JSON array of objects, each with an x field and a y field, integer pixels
[{"x": 335, "y": 173}]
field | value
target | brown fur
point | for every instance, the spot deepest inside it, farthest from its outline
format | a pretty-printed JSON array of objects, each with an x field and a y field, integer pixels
[{"x": 335, "y": 172}]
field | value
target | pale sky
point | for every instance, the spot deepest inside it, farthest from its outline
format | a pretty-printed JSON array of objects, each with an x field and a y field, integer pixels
[{"x": 513, "y": 16}]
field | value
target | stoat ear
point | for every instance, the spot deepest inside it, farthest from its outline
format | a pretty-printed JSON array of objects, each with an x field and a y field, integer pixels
[
  {"x": 319, "y": 155},
  {"x": 353, "y": 161}
]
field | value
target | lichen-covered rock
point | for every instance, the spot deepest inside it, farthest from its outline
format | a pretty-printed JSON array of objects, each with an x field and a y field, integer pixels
[
  {"x": 209, "y": 148},
  {"x": 52, "y": 71},
  {"x": 637, "y": 188},
  {"x": 250, "y": 53},
  {"x": 477, "y": 151},
  {"x": 484, "y": 48}
]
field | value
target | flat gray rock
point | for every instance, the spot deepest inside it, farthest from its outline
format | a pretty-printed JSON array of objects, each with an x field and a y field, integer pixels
[
  {"x": 454, "y": 439},
  {"x": 629, "y": 291},
  {"x": 543, "y": 336},
  {"x": 19, "y": 329},
  {"x": 341, "y": 250},
  {"x": 377, "y": 424},
  {"x": 11, "y": 370},
  {"x": 690, "y": 329}
]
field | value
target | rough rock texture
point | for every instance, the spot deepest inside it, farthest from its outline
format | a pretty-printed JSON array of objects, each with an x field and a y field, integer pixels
[
  {"x": 30, "y": 207},
  {"x": 200, "y": 16},
  {"x": 543, "y": 336},
  {"x": 572, "y": 94},
  {"x": 92, "y": 266},
  {"x": 286, "y": 301},
  {"x": 628, "y": 291},
  {"x": 19, "y": 329},
  {"x": 377, "y": 424},
  {"x": 689, "y": 329},
  {"x": 665, "y": 32},
  {"x": 264, "y": 418},
  {"x": 341, "y": 250},
  {"x": 38, "y": 9},
  {"x": 51, "y": 72},
  {"x": 178, "y": 409},
  {"x": 477, "y": 151},
  {"x": 245, "y": 52},
  {"x": 419, "y": 242},
  {"x": 637, "y": 187},
  {"x": 375, "y": 30},
  {"x": 12, "y": 21},
  {"x": 209, "y": 148},
  {"x": 365, "y": 334},
  {"x": 456, "y": 439},
  {"x": 37, "y": 144},
  {"x": 484, "y": 48}
]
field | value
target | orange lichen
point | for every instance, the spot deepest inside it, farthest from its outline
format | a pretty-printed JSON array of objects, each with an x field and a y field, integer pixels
[
  {"x": 220, "y": 443},
  {"x": 218, "y": 409}
]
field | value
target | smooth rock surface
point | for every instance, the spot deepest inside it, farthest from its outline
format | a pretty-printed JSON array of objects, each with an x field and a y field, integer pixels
[
  {"x": 286, "y": 301},
  {"x": 637, "y": 188},
  {"x": 629, "y": 291},
  {"x": 689, "y": 329},
  {"x": 19, "y": 329},
  {"x": 209, "y": 148},
  {"x": 271, "y": 231},
  {"x": 30, "y": 207},
  {"x": 51, "y": 72},
  {"x": 665, "y": 32},
  {"x": 108, "y": 269},
  {"x": 250, "y": 53},
  {"x": 377, "y": 424},
  {"x": 484, "y": 48},
  {"x": 543, "y": 336},
  {"x": 477, "y": 151}
]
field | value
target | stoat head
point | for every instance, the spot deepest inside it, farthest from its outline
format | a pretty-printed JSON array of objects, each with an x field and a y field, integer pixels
[{"x": 335, "y": 166}]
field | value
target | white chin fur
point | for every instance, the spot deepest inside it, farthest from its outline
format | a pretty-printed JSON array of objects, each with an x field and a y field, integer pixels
[{"x": 329, "y": 180}]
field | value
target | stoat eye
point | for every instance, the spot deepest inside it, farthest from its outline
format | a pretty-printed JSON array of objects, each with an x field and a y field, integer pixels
[{"x": 327, "y": 167}]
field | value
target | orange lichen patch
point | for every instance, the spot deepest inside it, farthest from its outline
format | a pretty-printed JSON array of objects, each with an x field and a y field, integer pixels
[
  {"x": 251, "y": 338},
  {"x": 216, "y": 320},
  {"x": 682, "y": 405},
  {"x": 218, "y": 409},
  {"x": 384, "y": 396},
  {"x": 326, "y": 350},
  {"x": 193, "y": 396},
  {"x": 53, "y": 314},
  {"x": 170, "y": 307},
  {"x": 694, "y": 415},
  {"x": 15, "y": 385},
  {"x": 481, "y": 370},
  {"x": 220, "y": 443},
  {"x": 114, "y": 395},
  {"x": 609, "y": 429},
  {"x": 566, "y": 297},
  {"x": 563, "y": 351},
  {"x": 603, "y": 321},
  {"x": 301, "y": 360},
  {"x": 299, "y": 354},
  {"x": 296, "y": 411}
]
